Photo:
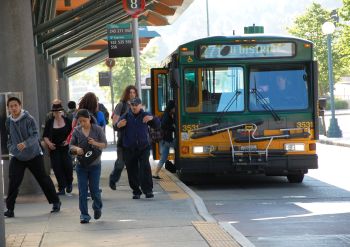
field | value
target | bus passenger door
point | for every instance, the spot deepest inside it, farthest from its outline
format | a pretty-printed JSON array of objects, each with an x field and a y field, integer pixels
[{"x": 160, "y": 94}]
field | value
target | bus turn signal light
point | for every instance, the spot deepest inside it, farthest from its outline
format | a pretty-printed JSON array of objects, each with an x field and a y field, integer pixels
[
  {"x": 312, "y": 146},
  {"x": 185, "y": 150}
]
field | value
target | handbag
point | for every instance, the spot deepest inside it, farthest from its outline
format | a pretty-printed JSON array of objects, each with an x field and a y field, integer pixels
[{"x": 90, "y": 155}]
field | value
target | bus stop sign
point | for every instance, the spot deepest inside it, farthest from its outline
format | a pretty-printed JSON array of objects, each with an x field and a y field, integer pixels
[{"x": 134, "y": 7}]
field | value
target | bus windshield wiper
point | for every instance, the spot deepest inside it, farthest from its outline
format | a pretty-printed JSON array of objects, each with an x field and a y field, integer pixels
[
  {"x": 265, "y": 104},
  {"x": 233, "y": 99}
]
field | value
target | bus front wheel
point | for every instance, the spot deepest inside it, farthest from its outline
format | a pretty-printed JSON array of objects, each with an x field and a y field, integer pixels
[{"x": 295, "y": 178}]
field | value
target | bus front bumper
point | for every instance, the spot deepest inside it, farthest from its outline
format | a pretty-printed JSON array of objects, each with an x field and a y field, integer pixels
[{"x": 275, "y": 165}]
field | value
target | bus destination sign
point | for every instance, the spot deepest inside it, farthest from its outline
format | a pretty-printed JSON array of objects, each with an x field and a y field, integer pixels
[{"x": 255, "y": 50}]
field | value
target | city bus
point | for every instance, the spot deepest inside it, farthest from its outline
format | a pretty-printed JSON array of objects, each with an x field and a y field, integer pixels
[{"x": 244, "y": 105}]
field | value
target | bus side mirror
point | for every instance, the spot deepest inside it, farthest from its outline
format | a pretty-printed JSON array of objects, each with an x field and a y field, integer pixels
[{"x": 322, "y": 106}]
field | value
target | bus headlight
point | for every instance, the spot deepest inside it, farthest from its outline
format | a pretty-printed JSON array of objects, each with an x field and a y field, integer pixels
[
  {"x": 201, "y": 149},
  {"x": 294, "y": 147}
]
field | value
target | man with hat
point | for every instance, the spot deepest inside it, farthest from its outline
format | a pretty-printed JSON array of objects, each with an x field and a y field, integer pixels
[{"x": 136, "y": 146}]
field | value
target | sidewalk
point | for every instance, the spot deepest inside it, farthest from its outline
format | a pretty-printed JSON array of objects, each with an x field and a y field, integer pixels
[
  {"x": 343, "y": 117},
  {"x": 170, "y": 219}
]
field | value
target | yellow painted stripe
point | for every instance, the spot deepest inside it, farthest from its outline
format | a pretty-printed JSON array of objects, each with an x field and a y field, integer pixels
[
  {"x": 168, "y": 185},
  {"x": 214, "y": 234}
]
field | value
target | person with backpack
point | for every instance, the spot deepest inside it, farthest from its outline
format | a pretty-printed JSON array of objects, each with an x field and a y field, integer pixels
[
  {"x": 121, "y": 108},
  {"x": 103, "y": 109},
  {"x": 25, "y": 152},
  {"x": 136, "y": 148},
  {"x": 168, "y": 130}
]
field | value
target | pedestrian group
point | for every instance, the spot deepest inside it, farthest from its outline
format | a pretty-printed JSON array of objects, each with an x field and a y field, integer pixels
[{"x": 79, "y": 134}]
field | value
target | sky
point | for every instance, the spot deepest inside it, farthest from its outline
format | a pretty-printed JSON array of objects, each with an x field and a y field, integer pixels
[{"x": 228, "y": 15}]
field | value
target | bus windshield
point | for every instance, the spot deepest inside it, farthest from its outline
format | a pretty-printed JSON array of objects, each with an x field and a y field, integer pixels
[
  {"x": 280, "y": 89},
  {"x": 214, "y": 89}
]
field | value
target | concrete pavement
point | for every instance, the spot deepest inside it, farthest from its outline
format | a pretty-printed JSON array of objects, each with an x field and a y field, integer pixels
[
  {"x": 175, "y": 217},
  {"x": 171, "y": 219}
]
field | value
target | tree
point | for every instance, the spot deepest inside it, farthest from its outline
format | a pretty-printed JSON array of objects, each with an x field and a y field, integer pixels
[
  {"x": 344, "y": 40},
  {"x": 308, "y": 26},
  {"x": 124, "y": 71}
]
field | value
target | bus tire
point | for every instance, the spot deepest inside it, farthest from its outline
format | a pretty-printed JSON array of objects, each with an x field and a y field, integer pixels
[{"x": 295, "y": 178}]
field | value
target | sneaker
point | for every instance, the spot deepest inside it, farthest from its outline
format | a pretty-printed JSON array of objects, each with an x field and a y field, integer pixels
[
  {"x": 136, "y": 197},
  {"x": 69, "y": 188},
  {"x": 56, "y": 207},
  {"x": 156, "y": 177},
  {"x": 84, "y": 221},
  {"x": 9, "y": 213},
  {"x": 149, "y": 195},
  {"x": 97, "y": 214}
]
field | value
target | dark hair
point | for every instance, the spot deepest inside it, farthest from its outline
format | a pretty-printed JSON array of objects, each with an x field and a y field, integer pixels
[
  {"x": 89, "y": 102},
  {"x": 83, "y": 113},
  {"x": 72, "y": 105},
  {"x": 126, "y": 93},
  {"x": 170, "y": 105},
  {"x": 13, "y": 99}
]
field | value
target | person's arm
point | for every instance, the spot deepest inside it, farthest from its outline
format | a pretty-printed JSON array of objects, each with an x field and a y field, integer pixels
[
  {"x": 46, "y": 135},
  {"x": 152, "y": 121},
  {"x": 10, "y": 145},
  {"x": 100, "y": 141},
  {"x": 73, "y": 145},
  {"x": 33, "y": 134},
  {"x": 117, "y": 112}
]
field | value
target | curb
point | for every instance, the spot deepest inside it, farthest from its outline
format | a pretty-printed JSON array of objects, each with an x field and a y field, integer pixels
[
  {"x": 203, "y": 212},
  {"x": 334, "y": 143}
]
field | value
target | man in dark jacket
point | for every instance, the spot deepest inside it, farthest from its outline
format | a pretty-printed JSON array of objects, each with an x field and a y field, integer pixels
[
  {"x": 25, "y": 151},
  {"x": 136, "y": 145}
]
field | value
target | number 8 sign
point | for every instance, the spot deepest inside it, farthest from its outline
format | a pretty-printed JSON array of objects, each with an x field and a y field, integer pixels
[{"x": 134, "y": 7}]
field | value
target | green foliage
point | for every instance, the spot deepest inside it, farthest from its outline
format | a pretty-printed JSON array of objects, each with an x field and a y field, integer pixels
[
  {"x": 338, "y": 104},
  {"x": 308, "y": 26},
  {"x": 344, "y": 41}
]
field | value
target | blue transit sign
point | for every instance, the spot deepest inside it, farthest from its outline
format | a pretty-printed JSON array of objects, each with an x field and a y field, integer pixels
[{"x": 119, "y": 40}]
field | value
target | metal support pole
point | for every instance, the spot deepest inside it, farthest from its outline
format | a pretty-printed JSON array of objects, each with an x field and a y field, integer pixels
[
  {"x": 208, "y": 29},
  {"x": 2, "y": 217},
  {"x": 333, "y": 130},
  {"x": 136, "y": 51},
  {"x": 112, "y": 98}
]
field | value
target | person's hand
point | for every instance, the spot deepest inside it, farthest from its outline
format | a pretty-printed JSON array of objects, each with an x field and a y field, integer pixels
[
  {"x": 80, "y": 151},
  {"x": 147, "y": 118},
  {"x": 121, "y": 123},
  {"x": 91, "y": 141},
  {"x": 65, "y": 143},
  {"x": 51, "y": 146},
  {"x": 21, "y": 146}
]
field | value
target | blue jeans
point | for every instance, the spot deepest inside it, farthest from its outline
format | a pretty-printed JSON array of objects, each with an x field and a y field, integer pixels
[
  {"x": 89, "y": 176},
  {"x": 164, "y": 150}
]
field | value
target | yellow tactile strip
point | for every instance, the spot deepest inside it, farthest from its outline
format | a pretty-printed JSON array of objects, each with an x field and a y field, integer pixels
[
  {"x": 174, "y": 191},
  {"x": 24, "y": 240},
  {"x": 214, "y": 234}
]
